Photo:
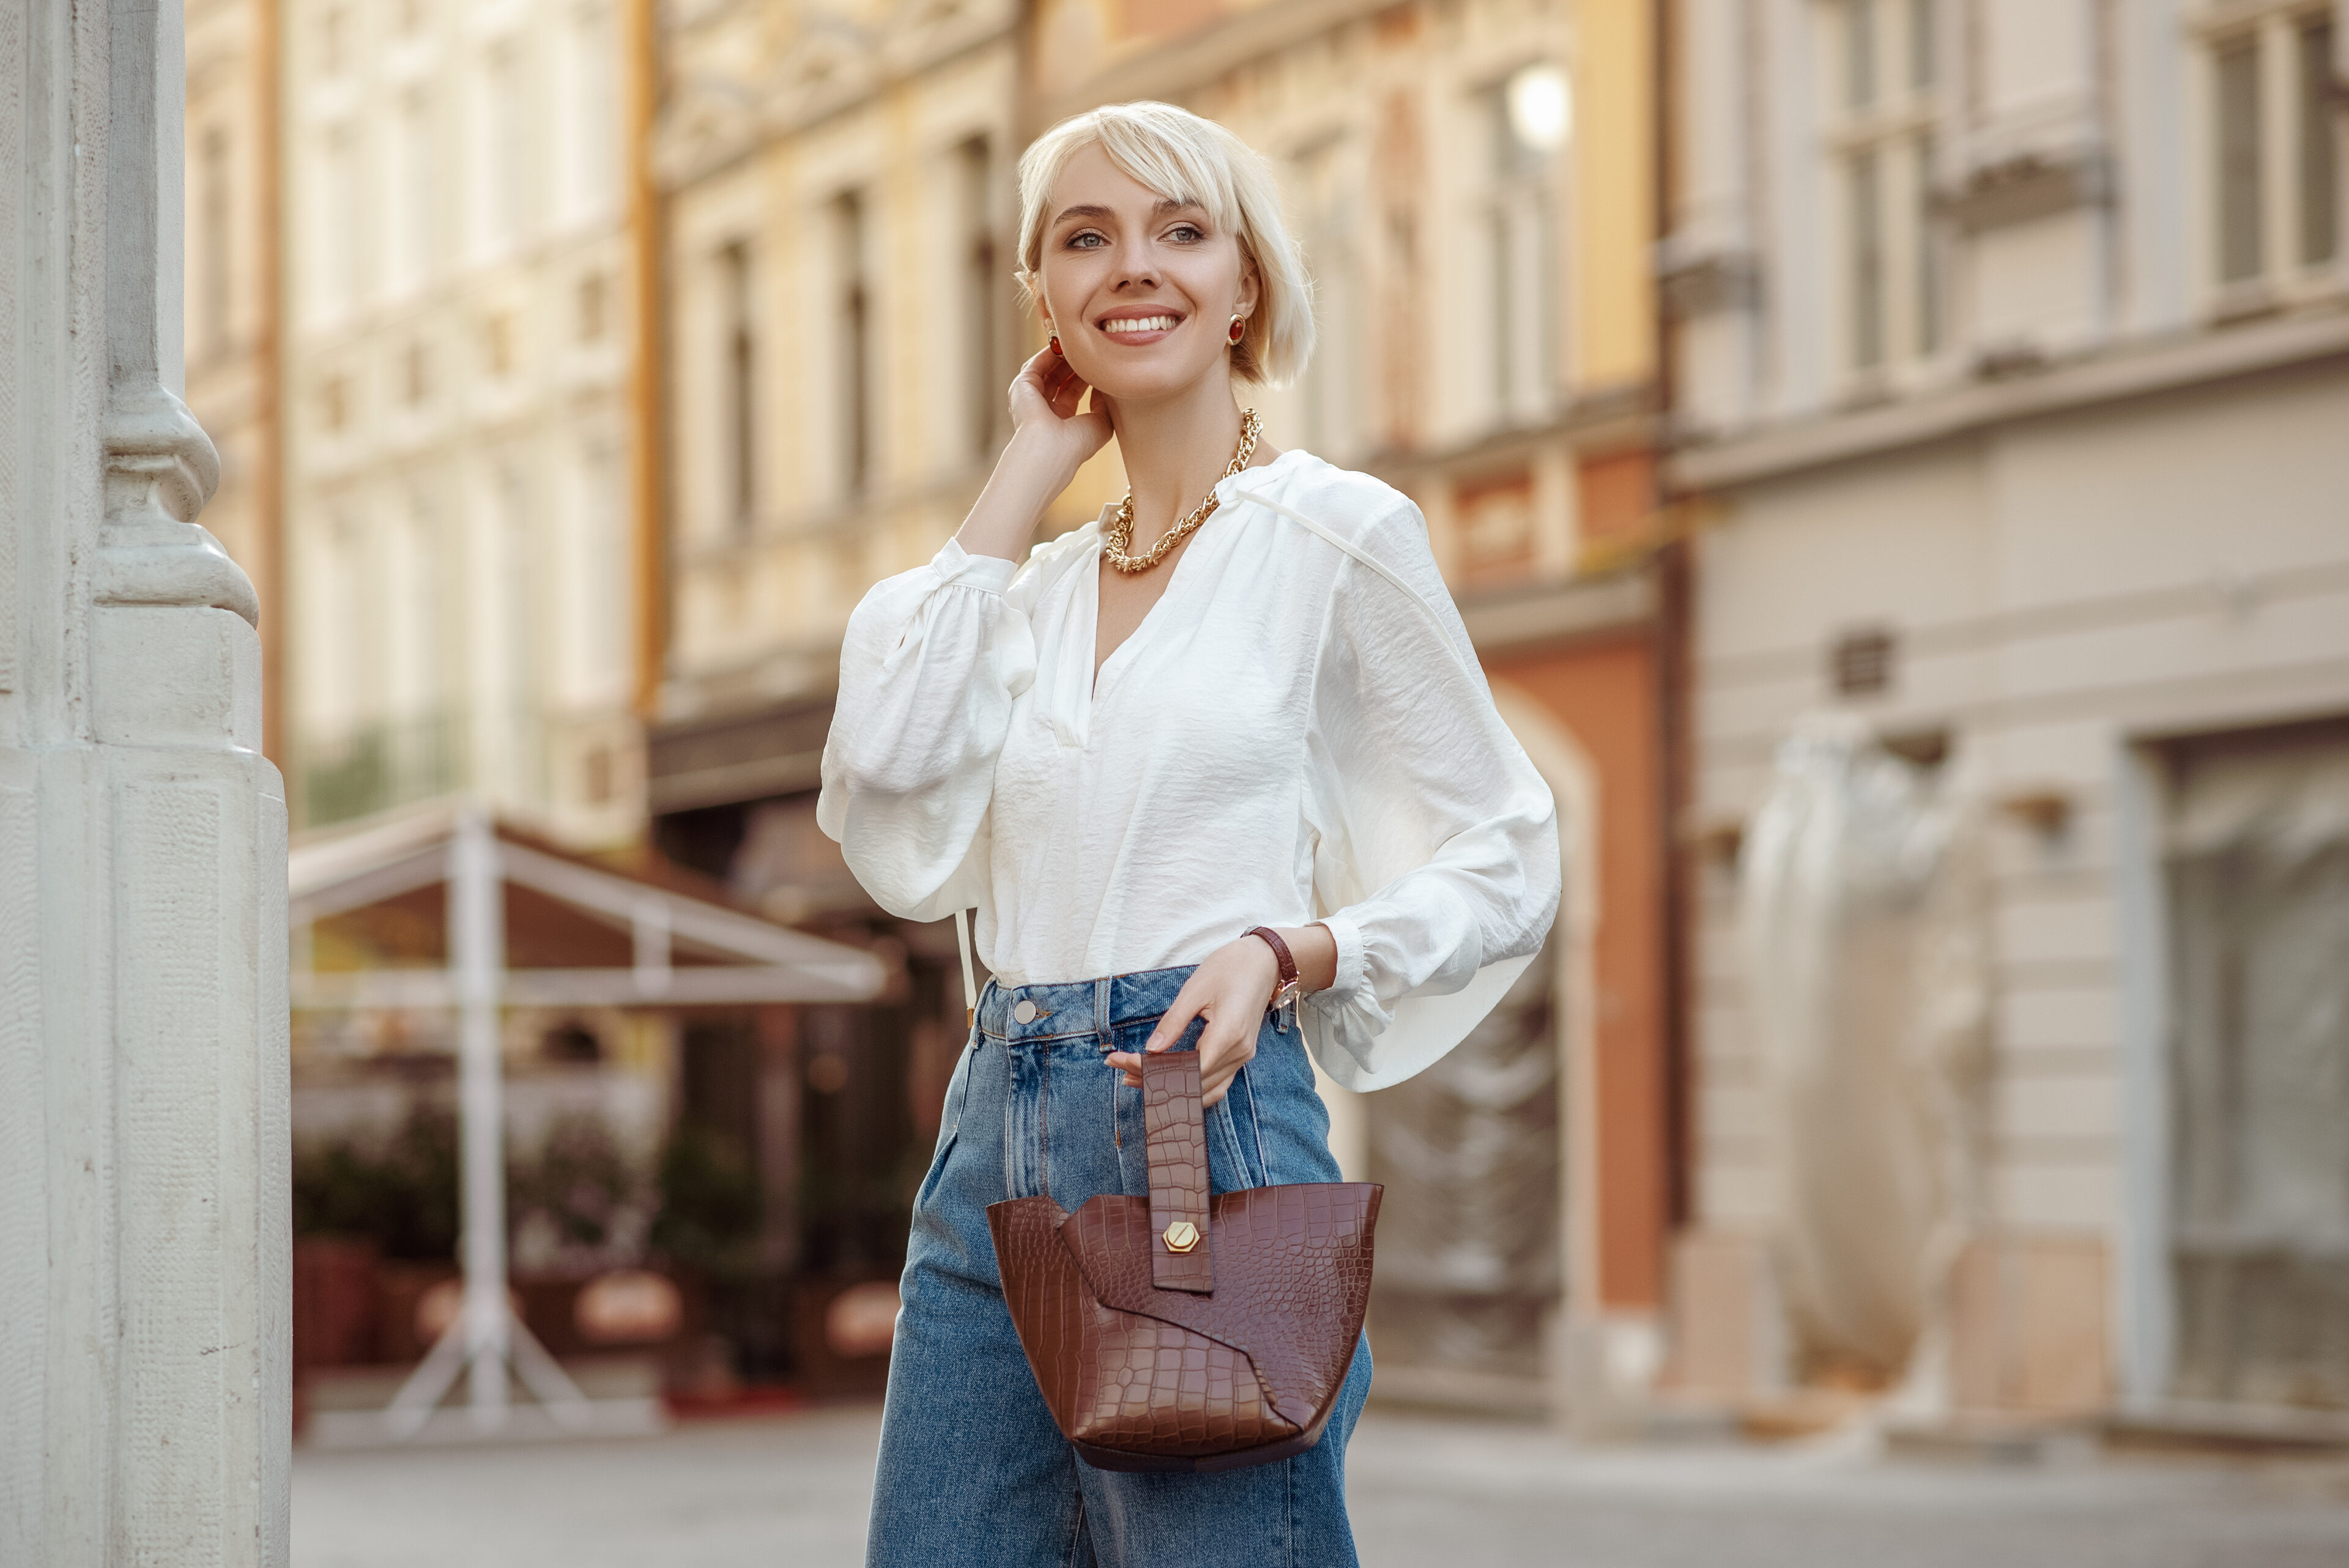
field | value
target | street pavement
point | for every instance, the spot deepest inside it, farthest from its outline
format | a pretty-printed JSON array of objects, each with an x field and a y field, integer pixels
[{"x": 790, "y": 1493}]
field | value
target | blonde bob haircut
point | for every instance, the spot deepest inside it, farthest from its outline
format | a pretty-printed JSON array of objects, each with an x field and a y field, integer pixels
[{"x": 1184, "y": 158}]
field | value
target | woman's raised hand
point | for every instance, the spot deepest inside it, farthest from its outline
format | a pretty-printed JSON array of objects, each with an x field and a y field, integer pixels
[
  {"x": 1050, "y": 442},
  {"x": 1229, "y": 990}
]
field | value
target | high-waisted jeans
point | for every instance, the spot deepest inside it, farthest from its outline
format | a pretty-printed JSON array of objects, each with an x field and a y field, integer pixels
[{"x": 973, "y": 1470}]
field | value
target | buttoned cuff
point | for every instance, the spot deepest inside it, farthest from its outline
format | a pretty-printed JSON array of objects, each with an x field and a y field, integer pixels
[{"x": 991, "y": 573}]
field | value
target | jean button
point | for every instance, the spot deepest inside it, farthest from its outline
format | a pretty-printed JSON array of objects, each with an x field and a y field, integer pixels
[{"x": 1024, "y": 1011}]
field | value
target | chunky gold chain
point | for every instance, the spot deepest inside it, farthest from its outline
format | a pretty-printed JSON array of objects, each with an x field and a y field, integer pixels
[{"x": 1120, "y": 532}]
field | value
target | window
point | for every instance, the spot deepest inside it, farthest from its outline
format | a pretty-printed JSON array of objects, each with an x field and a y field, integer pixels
[
  {"x": 855, "y": 346},
  {"x": 416, "y": 650},
  {"x": 595, "y": 306},
  {"x": 213, "y": 236},
  {"x": 504, "y": 163},
  {"x": 2257, "y": 878},
  {"x": 498, "y": 347},
  {"x": 741, "y": 354},
  {"x": 335, "y": 41},
  {"x": 592, "y": 146},
  {"x": 985, "y": 395},
  {"x": 601, "y": 602},
  {"x": 414, "y": 179},
  {"x": 416, "y": 373},
  {"x": 2320, "y": 184},
  {"x": 1886, "y": 57},
  {"x": 2273, "y": 156},
  {"x": 337, "y": 215},
  {"x": 2240, "y": 248},
  {"x": 1526, "y": 119}
]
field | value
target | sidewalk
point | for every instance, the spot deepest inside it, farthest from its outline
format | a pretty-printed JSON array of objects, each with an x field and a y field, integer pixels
[{"x": 791, "y": 1493}]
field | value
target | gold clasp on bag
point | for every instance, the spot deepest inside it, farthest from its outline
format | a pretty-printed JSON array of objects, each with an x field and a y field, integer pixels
[{"x": 1181, "y": 1236}]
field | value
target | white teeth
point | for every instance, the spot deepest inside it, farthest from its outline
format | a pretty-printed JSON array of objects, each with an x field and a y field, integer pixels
[{"x": 1145, "y": 324}]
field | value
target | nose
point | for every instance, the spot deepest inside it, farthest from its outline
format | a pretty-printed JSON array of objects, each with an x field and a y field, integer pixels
[{"x": 1135, "y": 272}]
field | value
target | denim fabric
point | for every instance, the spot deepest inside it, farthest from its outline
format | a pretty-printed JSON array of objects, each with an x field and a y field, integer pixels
[{"x": 973, "y": 1470}]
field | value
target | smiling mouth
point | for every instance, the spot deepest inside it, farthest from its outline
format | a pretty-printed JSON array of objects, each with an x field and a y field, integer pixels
[{"x": 1142, "y": 324}]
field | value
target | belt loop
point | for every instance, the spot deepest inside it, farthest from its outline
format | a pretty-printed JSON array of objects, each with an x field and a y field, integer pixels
[{"x": 1101, "y": 1010}]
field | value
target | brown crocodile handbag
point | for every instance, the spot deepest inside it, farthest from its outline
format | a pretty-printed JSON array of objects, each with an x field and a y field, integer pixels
[{"x": 1180, "y": 1332}]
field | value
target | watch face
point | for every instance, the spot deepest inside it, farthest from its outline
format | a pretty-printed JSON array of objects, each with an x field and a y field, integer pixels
[{"x": 1286, "y": 993}]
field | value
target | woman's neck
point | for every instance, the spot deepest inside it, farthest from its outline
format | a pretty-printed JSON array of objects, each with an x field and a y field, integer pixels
[{"x": 1174, "y": 451}]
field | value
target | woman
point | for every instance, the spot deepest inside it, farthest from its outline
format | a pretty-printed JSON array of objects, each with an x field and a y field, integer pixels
[{"x": 1233, "y": 716}]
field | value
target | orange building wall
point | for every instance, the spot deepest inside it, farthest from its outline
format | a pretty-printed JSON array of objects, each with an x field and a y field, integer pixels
[{"x": 1606, "y": 695}]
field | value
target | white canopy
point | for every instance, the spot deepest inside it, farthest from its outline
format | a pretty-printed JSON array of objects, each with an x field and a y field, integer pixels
[{"x": 730, "y": 957}]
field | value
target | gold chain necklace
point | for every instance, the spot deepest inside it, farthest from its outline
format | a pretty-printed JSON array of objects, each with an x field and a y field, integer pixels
[{"x": 1120, "y": 532}]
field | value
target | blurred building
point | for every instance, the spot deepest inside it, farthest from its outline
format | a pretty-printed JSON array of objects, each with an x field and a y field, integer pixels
[
  {"x": 838, "y": 330},
  {"x": 2011, "y": 358},
  {"x": 455, "y": 373},
  {"x": 230, "y": 301}
]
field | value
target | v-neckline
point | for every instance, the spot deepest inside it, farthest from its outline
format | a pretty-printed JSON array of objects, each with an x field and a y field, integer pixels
[
  {"x": 1099, "y": 668},
  {"x": 1102, "y": 666}
]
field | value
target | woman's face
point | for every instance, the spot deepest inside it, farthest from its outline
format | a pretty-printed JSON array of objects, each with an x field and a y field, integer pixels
[{"x": 1139, "y": 289}]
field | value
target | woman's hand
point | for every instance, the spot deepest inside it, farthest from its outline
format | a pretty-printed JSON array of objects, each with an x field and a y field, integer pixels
[
  {"x": 1050, "y": 441},
  {"x": 1229, "y": 990},
  {"x": 1045, "y": 397}
]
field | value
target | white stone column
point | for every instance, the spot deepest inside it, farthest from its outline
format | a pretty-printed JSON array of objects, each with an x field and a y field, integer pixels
[{"x": 144, "y": 1349}]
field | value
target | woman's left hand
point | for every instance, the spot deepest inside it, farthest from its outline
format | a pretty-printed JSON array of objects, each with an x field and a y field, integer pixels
[{"x": 1229, "y": 990}]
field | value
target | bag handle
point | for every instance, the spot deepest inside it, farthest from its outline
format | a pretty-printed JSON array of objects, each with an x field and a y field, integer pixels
[{"x": 1174, "y": 1125}]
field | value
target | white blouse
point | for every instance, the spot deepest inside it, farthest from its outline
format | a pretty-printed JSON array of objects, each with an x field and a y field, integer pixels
[{"x": 1298, "y": 730}]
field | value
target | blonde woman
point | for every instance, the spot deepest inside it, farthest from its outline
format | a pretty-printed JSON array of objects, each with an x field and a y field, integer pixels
[{"x": 1228, "y": 743}]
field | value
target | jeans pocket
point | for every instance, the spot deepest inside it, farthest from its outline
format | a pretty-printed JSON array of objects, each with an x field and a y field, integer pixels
[{"x": 1232, "y": 1122}]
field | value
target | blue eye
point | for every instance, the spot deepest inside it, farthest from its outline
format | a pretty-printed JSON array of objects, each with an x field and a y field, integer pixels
[
  {"x": 1087, "y": 240},
  {"x": 1186, "y": 233}
]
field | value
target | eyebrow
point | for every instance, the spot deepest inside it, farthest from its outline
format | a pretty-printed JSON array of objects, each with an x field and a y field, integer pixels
[{"x": 1094, "y": 210}]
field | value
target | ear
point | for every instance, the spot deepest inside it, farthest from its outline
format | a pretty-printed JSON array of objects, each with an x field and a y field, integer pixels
[{"x": 1251, "y": 281}]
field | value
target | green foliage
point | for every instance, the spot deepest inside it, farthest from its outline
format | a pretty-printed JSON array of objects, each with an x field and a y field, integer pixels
[
  {"x": 581, "y": 1182},
  {"x": 709, "y": 1203},
  {"x": 402, "y": 1195}
]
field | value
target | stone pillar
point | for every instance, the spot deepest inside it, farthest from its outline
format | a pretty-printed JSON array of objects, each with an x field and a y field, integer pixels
[{"x": 144, "y": 1356}]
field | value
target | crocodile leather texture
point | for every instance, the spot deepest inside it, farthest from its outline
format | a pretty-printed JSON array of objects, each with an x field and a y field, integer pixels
[
  {"x": 1253, "y": 1361},
  {"x": 1174, "y": 1122}
]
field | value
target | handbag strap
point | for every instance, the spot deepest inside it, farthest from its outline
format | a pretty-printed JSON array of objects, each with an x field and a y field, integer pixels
[
  {"x": 970, "y": 981},
  {"x": 1174, "y": 1125}
]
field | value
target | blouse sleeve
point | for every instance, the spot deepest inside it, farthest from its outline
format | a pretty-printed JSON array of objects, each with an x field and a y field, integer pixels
[
  {"x": 928, "y": 670},
  {"x": 1437, "y": 852}
]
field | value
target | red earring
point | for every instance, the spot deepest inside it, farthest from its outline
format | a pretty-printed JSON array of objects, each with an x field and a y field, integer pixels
[
  {"x": 1056, "y": 345},
  {"x": 1239, "y": 331}
]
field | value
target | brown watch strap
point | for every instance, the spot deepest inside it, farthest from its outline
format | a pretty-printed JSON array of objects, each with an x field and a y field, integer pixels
[
  {"x": 1280, "y": 955},
  {"x": 1173, "y": 1123}
]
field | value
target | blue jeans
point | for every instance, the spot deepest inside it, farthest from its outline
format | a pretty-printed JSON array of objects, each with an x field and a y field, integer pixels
[{"x": 973, "y": 1470}]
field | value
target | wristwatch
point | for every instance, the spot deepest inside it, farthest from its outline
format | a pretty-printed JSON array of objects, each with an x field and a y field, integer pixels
[{"x": 1285, "y": 994}]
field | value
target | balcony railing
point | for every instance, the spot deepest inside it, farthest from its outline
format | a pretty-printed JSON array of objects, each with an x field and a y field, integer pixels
[{"x": 379, "y": 767}]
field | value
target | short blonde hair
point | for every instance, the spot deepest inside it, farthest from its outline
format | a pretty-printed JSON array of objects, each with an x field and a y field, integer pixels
[{"x": 1184, "y": 158}]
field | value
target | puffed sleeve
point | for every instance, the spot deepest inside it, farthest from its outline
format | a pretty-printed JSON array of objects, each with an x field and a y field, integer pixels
[
  {"x": 1436, "y": 851},
  {"x": 929, "y": 672}
]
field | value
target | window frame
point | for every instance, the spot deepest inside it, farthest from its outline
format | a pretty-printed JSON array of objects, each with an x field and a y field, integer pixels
[
  {"x": 2284, "y": 273},
  {"x": 1896, "y": 129}
]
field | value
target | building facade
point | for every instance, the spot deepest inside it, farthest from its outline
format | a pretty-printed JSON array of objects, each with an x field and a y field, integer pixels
[
  {"x": 457, "y": 330},
  {"x": 2011, "y": 361},
  {"x": 838, "y": 333},
  {"x": 230, "y": 301}
]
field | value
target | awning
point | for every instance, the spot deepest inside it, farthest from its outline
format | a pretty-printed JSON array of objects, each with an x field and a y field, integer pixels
[{"x": 574, "y": 931}]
